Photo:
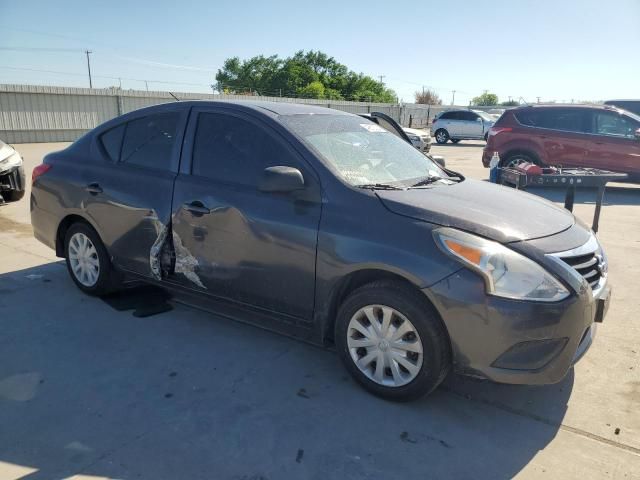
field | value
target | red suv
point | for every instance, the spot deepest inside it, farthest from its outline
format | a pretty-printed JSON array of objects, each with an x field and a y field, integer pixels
[{"x": 598, "y": 136}]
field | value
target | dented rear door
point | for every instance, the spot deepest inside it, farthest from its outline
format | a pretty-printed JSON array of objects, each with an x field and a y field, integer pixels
[
  {"x": 128, "y": 194},
  {"x": 232, "y": 240}
]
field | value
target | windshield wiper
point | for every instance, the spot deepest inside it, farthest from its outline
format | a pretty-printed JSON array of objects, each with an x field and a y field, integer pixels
[
  {"x": 379, "y": 186},
  {"x": 428, "y": 180}
]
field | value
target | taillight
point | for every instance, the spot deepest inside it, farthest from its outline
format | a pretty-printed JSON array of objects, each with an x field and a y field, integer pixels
[
  {"x": 496, "y": 130},
  {"x": 39, "y": 170}
]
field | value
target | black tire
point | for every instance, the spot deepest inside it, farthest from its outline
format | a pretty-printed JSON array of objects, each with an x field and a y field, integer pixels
[
  {"x": 13, "y": 195},
  {"x": 442, "y": 136},
  {"x": 105, "y": 282},
  {"x": 513, "y": 159},
  {"x": 436, "y": 352},
  {"x": 455, "y": 140}
]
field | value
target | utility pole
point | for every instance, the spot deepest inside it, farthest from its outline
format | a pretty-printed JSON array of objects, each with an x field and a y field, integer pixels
[
  {"x": 538, "y": 99},
  {"x": 453, "y": 98},
  {"x": 88, "y": 52},
  {"x": 381, "y": 77},
  {"x": 146, "y": 85},
  {"x": 120, "y": 83}
]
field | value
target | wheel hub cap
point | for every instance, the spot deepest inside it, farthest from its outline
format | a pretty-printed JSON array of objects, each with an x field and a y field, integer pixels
[
  {"x": 384, "y": 345},
  {"x": 83, "y": 258}
]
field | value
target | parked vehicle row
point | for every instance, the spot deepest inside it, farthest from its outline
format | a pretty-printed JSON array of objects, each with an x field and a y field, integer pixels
[
  {"x": 456, "y": 125},
  {"x": 325, "y": 226},
  {"x": 597, "y": 136}
]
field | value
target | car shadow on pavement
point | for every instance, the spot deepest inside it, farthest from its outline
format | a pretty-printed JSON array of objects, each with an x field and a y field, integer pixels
[{"x": 86, "y": 389}]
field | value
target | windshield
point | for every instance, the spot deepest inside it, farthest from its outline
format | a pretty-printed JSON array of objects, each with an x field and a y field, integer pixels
[
  {"x": 362, "y": 152},
  {"x": 485, "y": 116}
]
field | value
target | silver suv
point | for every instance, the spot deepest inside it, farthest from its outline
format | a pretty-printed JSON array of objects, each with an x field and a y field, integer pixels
[{"x": 456, "y": 125}]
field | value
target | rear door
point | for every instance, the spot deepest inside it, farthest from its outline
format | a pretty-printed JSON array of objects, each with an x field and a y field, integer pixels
[
  {"x": 452, "y": 123},
  {"x": 564, "y": 136},
  {"x": 128, "y": 195},
  {"x": 231, "y": 239},
  {"x": 615, "y": 146}
]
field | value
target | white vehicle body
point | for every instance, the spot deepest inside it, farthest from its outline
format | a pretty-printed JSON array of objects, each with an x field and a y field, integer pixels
[
  {"x": 421, "y": 139},
  {"x": 456, "y": 125}
]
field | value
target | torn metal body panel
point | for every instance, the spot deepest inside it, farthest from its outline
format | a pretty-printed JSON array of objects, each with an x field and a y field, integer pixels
[
  {"x": 155, "y": 254},
  {"x": 185, "y": 263}
]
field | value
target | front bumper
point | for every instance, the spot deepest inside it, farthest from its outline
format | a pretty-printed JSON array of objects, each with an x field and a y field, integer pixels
[
  {"x": 512, "y": 341},
  {"x": 12, "y": 179}
]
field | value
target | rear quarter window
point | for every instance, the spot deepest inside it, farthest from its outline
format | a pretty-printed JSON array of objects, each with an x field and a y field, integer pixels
[{"x": 111, "y": 141}]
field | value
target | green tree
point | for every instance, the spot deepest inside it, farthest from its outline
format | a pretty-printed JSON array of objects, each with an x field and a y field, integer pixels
[
  {"x": 314, "y": 90},
  {"x": 486, "y": 99},
  {"x": 510, "y": 103},
  {"x": 310, "y": 74}
]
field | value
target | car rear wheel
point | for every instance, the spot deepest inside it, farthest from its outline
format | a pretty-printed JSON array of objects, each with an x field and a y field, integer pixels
[
  {"x": 514, "y": 159},
  {"x": 442, "y": 136},
  {"x": 392, "y": 341},
  {"x": 87, "y": 260}
]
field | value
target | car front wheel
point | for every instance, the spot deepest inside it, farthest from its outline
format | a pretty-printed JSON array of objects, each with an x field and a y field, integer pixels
[
  {"x": 87, "y": 260},
  {"x": 442, "y": 136},
  {"x": 392, "y": 342}
]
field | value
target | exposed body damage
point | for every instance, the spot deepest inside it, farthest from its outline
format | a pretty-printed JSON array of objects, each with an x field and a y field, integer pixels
[
  {"x": 185, "y": 263},
  {"x": 171, "y": 257}
]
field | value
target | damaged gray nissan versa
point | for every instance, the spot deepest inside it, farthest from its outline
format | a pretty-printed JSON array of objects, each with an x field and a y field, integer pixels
[{"x": 322, "y": 225}]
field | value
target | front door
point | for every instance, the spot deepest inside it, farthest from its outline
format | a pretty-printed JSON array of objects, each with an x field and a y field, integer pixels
[
  {"x": 615, "y": 146},
  {"x": 232, "y": 240}
]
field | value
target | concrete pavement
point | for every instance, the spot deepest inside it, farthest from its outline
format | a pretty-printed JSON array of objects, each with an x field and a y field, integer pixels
[{"x": 90, "y": 392}]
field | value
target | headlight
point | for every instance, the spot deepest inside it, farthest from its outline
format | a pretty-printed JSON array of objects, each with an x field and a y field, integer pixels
[
  {"x": 12, "y": 160},
  {"x": 414, "y": 138},
  {"x": 507, "y": 273}
]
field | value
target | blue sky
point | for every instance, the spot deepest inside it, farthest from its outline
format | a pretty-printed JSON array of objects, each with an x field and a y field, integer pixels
[{"x": 556, "y": 50}]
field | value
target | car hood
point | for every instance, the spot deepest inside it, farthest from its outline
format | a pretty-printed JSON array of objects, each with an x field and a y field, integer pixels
[{"x": 492, "y": 211}]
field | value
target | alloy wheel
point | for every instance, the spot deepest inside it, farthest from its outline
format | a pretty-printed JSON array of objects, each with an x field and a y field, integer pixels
[
  {"x": 83, "y": 258},
  {"x": 384, "y": 345}
]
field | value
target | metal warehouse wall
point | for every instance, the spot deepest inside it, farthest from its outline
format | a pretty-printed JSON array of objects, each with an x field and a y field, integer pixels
[{"x": 30, "y": 113}]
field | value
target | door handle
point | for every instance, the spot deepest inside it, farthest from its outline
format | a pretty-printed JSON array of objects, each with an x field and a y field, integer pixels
[
  {"x": 93, "y": 188},
  {"x": 197, "y": 208}
]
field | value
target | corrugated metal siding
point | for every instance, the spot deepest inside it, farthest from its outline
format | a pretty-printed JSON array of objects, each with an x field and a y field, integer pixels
[{"x": 30, "y": 113}]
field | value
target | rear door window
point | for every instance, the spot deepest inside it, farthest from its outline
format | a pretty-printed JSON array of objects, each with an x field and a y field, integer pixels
[
  {"x": 111, "y": 141},
  {"x": 233, "y": 150},
  {"x": 149, "y": 141},
  {"x": 569, "y": 120}
]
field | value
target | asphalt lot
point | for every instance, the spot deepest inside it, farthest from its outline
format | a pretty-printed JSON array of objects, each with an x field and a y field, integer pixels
[{"x": 90, "y": 392}]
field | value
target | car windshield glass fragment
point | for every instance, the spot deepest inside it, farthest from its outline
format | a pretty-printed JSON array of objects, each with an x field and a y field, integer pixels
[{"x": 362, "y": 152}]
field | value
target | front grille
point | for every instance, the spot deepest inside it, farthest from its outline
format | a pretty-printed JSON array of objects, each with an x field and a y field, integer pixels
[{"x": 588, "y": 265}]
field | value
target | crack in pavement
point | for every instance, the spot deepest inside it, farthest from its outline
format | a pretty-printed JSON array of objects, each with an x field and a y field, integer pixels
[{"x": 546, "y": 421}]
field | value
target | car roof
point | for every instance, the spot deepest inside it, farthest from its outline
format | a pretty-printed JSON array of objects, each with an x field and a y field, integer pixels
[
  {"x": 566, "y": 105},
  {"x": 271, "y": 108}
]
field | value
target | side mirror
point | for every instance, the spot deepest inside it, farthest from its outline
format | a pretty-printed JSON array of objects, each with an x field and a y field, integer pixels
[
  {"x": 438, "y": 159},
  {"x": 281, "y": 179},
  {"x": 479, "y": 119}
]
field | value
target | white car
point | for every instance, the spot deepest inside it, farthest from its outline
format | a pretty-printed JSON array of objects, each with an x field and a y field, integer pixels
[
  {"x": 12, "y": 181},
  {"x": 456, "y": 125},
  {"x": 421, "y": 139}
]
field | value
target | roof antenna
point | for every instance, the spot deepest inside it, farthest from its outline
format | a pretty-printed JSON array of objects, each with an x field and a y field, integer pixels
[{"x": 174, "y": 97}]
